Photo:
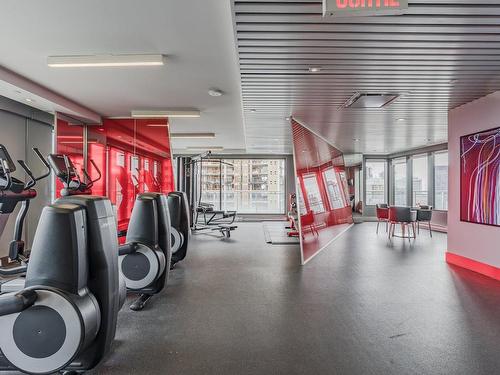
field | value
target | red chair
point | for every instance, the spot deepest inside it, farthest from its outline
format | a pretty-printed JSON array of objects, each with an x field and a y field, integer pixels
[
  {"x": 307, "y": 222},
  {"x": 382, "y": 215}
]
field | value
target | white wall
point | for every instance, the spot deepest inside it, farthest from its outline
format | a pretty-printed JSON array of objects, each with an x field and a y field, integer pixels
[{"x": 474, "y": 241}]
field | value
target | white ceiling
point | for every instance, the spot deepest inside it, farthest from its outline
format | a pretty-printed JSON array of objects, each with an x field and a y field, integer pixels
[
  {"x": 196, "y": 35},
  {"x": 441, "y": 54}
]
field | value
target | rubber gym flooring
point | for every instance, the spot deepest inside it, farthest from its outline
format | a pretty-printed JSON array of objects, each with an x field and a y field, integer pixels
[{"x": 363, "y": 306}]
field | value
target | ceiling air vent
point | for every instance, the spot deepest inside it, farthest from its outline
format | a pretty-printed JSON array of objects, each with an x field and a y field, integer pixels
[{"x": 360, "y": 100}]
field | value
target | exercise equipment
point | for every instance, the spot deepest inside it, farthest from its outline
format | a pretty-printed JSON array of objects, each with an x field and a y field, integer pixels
[
  {"x": 181, "y": 226},
  {"x": 67, "y": 173},
  {"x": 13, "y": 191},
  {"x": 73, "y": 185},
  {"x": 146, "y": 255},
  {"x": 64, "y": 319},
  {"x": 205, "y": 217},
  {"x": 211, "y": 216}
]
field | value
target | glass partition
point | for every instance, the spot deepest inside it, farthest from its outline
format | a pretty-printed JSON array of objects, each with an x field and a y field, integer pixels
[{"x": 323, "y": 196}]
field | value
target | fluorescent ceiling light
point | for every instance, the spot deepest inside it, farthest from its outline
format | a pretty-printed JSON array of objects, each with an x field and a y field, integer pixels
[
  {"x": 205, "y": 148},
  {"x": 104, "y": 61},
  {"x": 191, "y": 135},
  {"x": 215, "y": 92},
  {"x": 157, "y": 125},
  {"x": 191, "y": 113}
]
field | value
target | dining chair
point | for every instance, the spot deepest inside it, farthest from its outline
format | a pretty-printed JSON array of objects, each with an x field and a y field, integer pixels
[
  {"x": 424, "y": 215},
  {"x": 404, "y": 216},
  {"x": 382, "y": 215}
]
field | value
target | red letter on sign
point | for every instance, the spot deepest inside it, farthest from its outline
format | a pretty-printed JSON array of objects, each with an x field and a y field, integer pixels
[
  {"x": 341, "y": 4},
  {"x": 394, "y": 3}
]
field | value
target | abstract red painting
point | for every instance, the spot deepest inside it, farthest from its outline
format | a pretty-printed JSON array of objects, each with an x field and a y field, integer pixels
[{"x": 480, "y": 177}]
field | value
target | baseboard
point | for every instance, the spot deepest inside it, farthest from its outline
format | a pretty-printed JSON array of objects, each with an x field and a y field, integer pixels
[{"x": 473, "y": 265}]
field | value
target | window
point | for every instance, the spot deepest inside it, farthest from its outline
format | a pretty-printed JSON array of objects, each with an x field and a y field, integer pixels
[
  {"x": 441, "y": 180},
  {"x": 245, "y": 185},
  {"x": 420, "y": 181},
  {"x": 335, "y": 196},
  {"x": 313, "y": 195},
  {"x": 375, "y": 182},
  {"x": 400, "y": 182}
]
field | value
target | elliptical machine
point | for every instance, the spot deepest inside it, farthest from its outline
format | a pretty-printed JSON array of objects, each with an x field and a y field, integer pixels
[
  {"x": 64, "y": 319},
  {"x": 64, "y": 316},
  {"x": 146, "y": 255},
  {"x": 67, "y": 173},
  {"x": 13, "y": 191},
  {"x": 181, "y": 227}
]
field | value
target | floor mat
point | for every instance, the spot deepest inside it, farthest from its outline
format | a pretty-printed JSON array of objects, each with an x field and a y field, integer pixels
[{"x": 276, "y": 233}]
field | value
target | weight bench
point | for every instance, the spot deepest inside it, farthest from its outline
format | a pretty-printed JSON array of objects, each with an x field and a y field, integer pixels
[
  {"x": 215, "y": 217},
  {"x": 225, "y": 229}
]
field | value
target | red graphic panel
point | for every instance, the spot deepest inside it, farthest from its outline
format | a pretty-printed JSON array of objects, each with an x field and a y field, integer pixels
[
  {"x": 136, "y": 157},
  {"x": 480, "y": 177},
  {"x": 323, "y": 193}
]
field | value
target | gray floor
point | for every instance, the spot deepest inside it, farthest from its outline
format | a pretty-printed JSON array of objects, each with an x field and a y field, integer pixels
[{"x": 364, "y": 306}]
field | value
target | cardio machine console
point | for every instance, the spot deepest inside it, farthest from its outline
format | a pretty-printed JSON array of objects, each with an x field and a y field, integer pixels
[
  {"x": 62, "y": 166},
  {"x": 6, "y": 160}
]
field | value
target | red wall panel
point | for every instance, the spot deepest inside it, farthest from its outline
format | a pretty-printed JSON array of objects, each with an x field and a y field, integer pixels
[{"x": 323, "y": 186}]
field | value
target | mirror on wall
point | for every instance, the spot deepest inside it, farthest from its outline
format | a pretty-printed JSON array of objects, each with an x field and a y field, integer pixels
[
  {"x": 324, "y": 201},
  {"x": 125, "y": 156}
]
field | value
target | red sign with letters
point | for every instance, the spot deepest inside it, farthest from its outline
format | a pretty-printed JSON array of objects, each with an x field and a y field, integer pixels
[{"x": 347, "y": 8}]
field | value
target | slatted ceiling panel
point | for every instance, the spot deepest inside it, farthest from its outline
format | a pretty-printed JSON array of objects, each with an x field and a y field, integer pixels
[{"x": 439, "y": 55}]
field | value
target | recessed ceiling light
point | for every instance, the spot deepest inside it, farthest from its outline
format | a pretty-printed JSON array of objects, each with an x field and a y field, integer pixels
[
  {"x": 401, "y": 119},
  {"x": 356, "y": 139},
  {"x": 214, "y": 92},
  {"x": 170, "y": 113},
  {"x": 191, "y": 135},
  {"x": 104, "y": 61},
  {"x": 29, "y": 100},
  {"x": 315, "y": 69},
  {"x": 253, "y": 110},
  {"x": 288, "y": 118}
]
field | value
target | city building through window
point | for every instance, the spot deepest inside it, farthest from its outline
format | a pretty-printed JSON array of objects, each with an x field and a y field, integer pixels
[
  {"x": 441, "y": 180},
  {"x": 249, "y": 186},
  {"x": 400, "y": 182},
  {"x": 420, "y": 181},
  {"x": 375, "y": 182}
]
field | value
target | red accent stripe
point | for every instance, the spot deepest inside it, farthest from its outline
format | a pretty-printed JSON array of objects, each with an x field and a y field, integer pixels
[{"x": 473, "y": 265}]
